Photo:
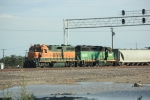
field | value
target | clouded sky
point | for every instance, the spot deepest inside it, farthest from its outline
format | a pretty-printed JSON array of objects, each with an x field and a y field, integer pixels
[{"x": 27, "y": 22}]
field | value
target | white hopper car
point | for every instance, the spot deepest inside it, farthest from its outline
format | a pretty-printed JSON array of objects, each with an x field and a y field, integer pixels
[{"x": 131, "y": 57}]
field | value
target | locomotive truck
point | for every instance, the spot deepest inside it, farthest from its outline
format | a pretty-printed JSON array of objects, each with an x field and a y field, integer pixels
[{"x": 68, "y": 56}]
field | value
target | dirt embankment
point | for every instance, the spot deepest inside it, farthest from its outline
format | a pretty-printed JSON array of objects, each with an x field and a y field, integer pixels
[{"x": 112, "y": 74}]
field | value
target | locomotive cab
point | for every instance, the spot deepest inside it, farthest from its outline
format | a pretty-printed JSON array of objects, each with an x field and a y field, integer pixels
[
  {"x": 109, "y": 56},
  {"x": 34, "y": 52},
  {"x": 44, "y": 51},
  {"x": 38, "y": 51}
]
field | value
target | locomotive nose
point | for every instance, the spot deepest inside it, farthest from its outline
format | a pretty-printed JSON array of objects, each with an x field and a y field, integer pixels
[{"x": 35, "y": 55}]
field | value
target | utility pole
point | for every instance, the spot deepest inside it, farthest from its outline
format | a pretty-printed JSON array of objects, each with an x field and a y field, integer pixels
[
  {"x": 3, "y": 55},
  {"x": 113, "y": 33},
  {"x": 26, "y": 53}
]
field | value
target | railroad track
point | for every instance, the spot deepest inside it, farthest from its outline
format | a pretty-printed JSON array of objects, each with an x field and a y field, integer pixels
[{"x": 70, "y": 68}]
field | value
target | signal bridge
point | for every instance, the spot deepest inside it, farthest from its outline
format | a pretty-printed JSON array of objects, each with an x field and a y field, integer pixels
[{"x": 128, "y": 18}]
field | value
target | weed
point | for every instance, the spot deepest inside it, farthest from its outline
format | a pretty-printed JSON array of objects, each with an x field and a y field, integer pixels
[
  {"x": 8, "y": 94},
  {"x": 23, "y": 93}
]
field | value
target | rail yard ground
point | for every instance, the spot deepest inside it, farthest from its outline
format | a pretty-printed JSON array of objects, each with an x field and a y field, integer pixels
[{"x": 134, "y": 74}]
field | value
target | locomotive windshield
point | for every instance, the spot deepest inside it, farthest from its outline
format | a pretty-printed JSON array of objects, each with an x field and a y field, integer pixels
[{"x": 35, "y": 49}]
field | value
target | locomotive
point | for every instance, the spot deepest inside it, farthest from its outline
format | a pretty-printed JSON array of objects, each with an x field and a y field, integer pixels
[
  {"x": 68, "y": 56},
  {"x": 83, "y": 56}
]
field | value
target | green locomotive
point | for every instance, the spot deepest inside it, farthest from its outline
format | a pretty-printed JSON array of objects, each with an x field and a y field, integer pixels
[{"x": 94, "y": 56}]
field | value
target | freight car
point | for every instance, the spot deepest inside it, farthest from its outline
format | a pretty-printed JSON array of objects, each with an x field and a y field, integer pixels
[
  {"x": 68, "y": 56},
  {"x": 131, "y": 57}
]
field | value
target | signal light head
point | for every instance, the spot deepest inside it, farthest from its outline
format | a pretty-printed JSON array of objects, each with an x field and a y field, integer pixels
[
  {"x": 123, "y": 12},
  {"x": 143, "y": 11},
  {"x": 123, "y": 21},
  {"x": 143, "y": 20}
]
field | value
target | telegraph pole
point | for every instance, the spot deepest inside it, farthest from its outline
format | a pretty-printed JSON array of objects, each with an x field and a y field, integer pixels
[
  {"x": 3, "y": 55},
  {"x": 113, "y": 33},
  {"x": 26, "y": 53}
]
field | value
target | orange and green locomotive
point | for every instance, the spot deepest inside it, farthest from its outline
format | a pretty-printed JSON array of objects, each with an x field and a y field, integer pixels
[{"x": 68, "y": 56}]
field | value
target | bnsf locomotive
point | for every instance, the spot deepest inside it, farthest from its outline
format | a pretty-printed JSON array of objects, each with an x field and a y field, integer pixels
[{"x": 82, "y": 55}]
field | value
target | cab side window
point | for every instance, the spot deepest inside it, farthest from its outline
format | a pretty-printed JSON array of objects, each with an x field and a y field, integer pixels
[{"x": 45, "y": 50}]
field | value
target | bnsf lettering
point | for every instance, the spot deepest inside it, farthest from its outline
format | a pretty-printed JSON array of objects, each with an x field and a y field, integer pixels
[{"x": 57, "y": 55}]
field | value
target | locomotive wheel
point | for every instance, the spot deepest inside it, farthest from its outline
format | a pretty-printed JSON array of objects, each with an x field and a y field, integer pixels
[
  {"x": 94, "y": 64},
  {"x": 67, "y": 64},
  {"x": 33, "y": 65},
  {"x": 114, "y": 64},
  {"x": 25, "y": 65},
  {"x": 72, "y": 64},
  {"x": 88, "y": 64},
  {"x": 51, "y": 65},
  {"x": 76, "y": 64},
  {"x": 97, "y": 64},
  {"x": 120, "y": 64},
  {"x": 101, "y": 64}
]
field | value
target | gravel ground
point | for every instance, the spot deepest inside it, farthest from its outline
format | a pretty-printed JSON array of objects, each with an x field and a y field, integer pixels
[{"x": 116, "y": 74}]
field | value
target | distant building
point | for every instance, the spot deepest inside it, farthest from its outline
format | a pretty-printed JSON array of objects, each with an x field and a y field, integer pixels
[{"x": 1, "y": 65}]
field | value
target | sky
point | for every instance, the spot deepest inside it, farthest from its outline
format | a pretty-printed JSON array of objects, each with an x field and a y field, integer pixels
[{"x": 27, "y": 22}]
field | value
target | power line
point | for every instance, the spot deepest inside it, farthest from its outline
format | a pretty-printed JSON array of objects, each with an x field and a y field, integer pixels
[
  {"x": 71, "y": 31},
  {"x": 49, "y": 6},
  {"x": 17, "y": 47}
]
